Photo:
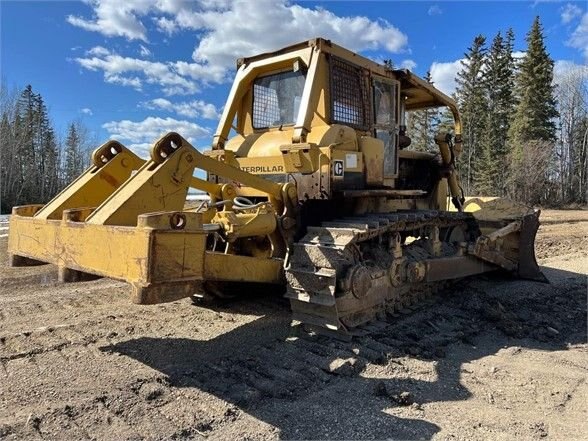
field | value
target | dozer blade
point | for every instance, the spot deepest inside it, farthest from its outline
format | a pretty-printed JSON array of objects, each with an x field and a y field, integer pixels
[
  {"x": 508, "y": 235},
  {"x": 528, "y": 267}
]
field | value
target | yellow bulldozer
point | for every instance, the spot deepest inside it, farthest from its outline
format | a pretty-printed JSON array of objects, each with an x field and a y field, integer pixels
[{"x": 312, "y": 190}]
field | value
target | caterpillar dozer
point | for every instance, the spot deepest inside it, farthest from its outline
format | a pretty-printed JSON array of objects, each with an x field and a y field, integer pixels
[{"x": 313, "y": 191}]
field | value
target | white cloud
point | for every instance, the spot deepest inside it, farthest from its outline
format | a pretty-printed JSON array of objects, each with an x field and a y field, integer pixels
[
  {"x": 435, "y": 10},
  {"x": 166, "y": 25},
  {"x": 140, "y": 135},
  {"x": 408, "y": 64},
  {"x": 134, "y": 82},
  {"x": 133, "y": 72},
  {"x": 563, "y": 68},
  {"x": 443, "y": 75},
  {"x": 192, "y": 108},
  {"x": 115, "y": 18},
  {"x": 144, "y": 51},
  {"x": 86, "y": 111},
  {"x": 203, "y": 72},
  {"x": 579, "y": 38},
  {"x": 569, "y": 12},
  {"x": 98, "y": 51},
  {"x": 233, "y": 29},
  {"x": 140, "y": 148},
  {"x": 229, "y": 33}
]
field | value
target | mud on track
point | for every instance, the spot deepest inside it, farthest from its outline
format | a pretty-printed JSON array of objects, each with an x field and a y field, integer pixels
[{"x": 494, "y": 358}]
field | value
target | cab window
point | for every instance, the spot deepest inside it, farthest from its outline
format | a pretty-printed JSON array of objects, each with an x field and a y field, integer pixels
[{"x": 276, "y": 99}]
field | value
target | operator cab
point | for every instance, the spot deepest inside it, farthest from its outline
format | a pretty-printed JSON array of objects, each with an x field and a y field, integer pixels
[{"x": 294, "y": 111}]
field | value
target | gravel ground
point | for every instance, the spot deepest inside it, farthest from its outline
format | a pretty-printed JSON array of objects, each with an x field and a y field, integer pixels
[{"x": 490, "y": 359}]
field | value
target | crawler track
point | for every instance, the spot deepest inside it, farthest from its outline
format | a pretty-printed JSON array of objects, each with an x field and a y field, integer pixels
[{"x": 342, "y": 276}]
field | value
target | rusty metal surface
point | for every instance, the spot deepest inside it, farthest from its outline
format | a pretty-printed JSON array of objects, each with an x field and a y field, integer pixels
[
  {"x": 528, "y": 267},
  {"x": 509, "y": 232},
  {"x": 341, "y": 275},
  {"x": 455, "y": 267}
]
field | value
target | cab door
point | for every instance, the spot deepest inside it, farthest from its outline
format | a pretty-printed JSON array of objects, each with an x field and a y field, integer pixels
[{"x": 386, "y": 93}]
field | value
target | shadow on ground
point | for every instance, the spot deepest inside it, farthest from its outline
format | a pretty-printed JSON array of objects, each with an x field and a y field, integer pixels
[{"x": 312, "y": 387}]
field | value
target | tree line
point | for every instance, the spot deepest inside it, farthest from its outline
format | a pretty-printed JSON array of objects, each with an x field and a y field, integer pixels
[
  {"x": 524, "y": 135},
  {"x": 35, "y": 163}
]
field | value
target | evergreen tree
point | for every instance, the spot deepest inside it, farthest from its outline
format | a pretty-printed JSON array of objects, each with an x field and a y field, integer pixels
[
  {"x": 509, "y": 97},
  {"x": 533, "y": 130},
  {"x": 25, "y": 154},
  {"x": 50, "y": 178},
  {"x": 31, "y": 168},
  {"x": 536, "y": 109},
  {"x": 73, "y": 158},
  {"x": 30, "y": 152},
  {"x": 499, "y": 74},
  {"x": 7, "y": 172},
  {"x": 47, "y": 152},
  {"x": 471, "y": 98},
  {"x": 446, "y": 121}
]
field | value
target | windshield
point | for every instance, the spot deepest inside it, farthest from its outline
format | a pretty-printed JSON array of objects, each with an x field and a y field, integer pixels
[{"x": 276, "y": 99}]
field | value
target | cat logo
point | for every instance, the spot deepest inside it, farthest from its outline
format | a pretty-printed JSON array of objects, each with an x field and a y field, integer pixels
[{"x": 337, "y": 168}]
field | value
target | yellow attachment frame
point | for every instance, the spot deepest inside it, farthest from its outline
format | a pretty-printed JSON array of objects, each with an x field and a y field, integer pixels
[
  {"x": 112, "y": 165},
  {"x": 131, "y": 226}
]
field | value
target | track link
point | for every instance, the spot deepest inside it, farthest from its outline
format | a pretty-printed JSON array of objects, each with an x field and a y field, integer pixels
[{"x": 341, "y": 274}]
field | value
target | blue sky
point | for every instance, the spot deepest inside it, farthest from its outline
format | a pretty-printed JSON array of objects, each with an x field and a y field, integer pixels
[{"x": 137, "y": 68}]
